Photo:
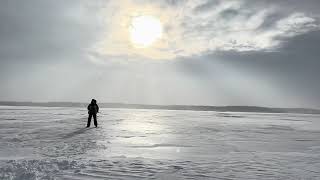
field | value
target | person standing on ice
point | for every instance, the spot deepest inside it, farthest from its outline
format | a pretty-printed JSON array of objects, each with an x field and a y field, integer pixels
[{"x": 93, "y": 109}]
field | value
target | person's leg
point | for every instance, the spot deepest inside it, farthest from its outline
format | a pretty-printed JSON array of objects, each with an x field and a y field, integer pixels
[
  {"x": 95, "y": 120},
  {"x": 89, "y": 120}
]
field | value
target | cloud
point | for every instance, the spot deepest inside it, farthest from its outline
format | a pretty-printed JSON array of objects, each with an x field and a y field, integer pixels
[
  {"x": 199, "y": 27},
  {"x": 232, "y": 52},
  {"x": 42, "y": 31},
  {"x": 98, "y": 30},
  {"x": 287, "y": 77}
]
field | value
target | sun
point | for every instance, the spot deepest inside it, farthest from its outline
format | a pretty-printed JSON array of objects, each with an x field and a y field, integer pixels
[{"x": 145, "y": 30}]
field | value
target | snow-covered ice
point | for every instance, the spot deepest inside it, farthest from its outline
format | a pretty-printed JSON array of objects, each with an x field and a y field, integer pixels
[{"x": 53, "y": 143}]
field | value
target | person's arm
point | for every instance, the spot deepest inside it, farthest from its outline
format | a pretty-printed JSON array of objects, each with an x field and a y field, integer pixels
[{"x": 97, "y": 108}]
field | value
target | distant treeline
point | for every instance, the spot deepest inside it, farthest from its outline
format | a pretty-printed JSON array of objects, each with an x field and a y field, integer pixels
[{"x": 168, "y": 107}]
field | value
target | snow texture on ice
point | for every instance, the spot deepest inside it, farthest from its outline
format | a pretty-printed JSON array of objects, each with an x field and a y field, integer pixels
[{"x": 53, "y": 143}]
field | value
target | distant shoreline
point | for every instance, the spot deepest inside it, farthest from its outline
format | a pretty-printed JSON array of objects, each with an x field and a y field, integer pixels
[{"x": 168, "y": 107}]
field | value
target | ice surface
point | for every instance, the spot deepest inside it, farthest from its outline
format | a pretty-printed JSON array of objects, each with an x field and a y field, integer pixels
[{"x": 53, "y": 143}]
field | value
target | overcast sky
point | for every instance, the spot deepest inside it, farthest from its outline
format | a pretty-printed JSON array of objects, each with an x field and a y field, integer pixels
[{"x": 212, "y": 52}]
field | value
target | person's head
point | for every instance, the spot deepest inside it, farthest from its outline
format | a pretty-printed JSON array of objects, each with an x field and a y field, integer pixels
[{"x": 93, "y": 101}]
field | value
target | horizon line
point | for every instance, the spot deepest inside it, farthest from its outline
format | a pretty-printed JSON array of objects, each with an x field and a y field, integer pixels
[{"x": 240, "y": 108}]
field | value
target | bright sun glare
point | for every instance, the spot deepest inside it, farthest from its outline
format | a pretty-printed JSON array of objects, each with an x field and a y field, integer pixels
[{"x": 145, "y": 30}]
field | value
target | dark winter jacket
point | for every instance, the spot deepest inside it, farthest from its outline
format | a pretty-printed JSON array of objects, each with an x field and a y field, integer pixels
[{"x": 93, "y": 109}]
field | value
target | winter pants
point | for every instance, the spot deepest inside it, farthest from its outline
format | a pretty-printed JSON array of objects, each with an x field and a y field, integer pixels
[{"x": 94, "y": 120}]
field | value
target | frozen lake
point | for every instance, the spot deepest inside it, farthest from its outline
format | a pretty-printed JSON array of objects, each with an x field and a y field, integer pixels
[{"x": 53, "y": 143}]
